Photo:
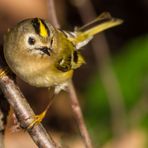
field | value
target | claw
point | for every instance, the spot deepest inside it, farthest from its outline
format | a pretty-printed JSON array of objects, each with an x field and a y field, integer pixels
[
  {"x": 37, "y": 120},
  {"x": 3, "y": 72}
]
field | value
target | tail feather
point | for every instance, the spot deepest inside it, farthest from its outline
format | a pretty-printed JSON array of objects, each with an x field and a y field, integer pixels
[
  {"x": 101, "y": 18},
  {"x": 101, "y": 23}
]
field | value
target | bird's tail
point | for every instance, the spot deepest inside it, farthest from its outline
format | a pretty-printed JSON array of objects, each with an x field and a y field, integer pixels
[{"x": 101, "y": 23}]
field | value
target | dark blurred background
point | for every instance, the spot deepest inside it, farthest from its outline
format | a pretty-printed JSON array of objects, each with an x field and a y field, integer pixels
[{"x": 112, "y": 87}]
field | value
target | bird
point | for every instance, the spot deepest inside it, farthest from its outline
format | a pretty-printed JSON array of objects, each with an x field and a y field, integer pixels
[{"x": 45, "y": 56}]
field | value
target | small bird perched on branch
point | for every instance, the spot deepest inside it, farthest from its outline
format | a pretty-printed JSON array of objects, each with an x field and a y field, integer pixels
[{"x": 45, "y": 56}]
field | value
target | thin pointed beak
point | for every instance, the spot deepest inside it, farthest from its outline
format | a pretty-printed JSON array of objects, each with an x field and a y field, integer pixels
[{"x": 45, "y": 50}]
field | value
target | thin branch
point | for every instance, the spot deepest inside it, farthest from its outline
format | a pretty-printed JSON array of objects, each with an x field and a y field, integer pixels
[
  {"x": 73, "y": 96},
  {"x": 23, "y": 111},
  {"x": 112, "y": 88},
  {"x": 78, "y": 116},
  {"x": 108, "y": 77}
]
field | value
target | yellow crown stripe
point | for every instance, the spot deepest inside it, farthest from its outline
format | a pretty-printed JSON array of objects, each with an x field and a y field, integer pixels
[{"x": 43, "y": 30}]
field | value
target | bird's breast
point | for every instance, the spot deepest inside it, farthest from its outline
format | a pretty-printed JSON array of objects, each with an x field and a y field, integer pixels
[{"x": 42, "y": 74}]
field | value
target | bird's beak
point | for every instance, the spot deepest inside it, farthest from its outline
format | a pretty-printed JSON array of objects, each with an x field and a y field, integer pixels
[{"x": 45, "y": 50}]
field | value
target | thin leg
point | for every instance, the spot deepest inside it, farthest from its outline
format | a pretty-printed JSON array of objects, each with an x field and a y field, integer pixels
[{"x": 38, "y": 118}]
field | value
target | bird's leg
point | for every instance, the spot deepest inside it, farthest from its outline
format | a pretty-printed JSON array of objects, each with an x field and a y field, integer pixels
[{"x": 38, "y": 118}]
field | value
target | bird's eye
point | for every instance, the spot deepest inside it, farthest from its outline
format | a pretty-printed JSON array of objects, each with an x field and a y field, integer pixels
[{"x": 31, "y": 40}]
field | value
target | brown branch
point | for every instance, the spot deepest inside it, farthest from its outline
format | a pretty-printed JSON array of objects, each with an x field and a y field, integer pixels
[
  {"x": 73, "y": 96},
  {"x": 78, "y": 116},
  {"x": 108, "y": 77},
  {"x": 23, "y": 111}
]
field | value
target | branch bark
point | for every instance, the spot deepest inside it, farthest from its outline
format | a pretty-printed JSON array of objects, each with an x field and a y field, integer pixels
[{"x": 78, "y": 116}]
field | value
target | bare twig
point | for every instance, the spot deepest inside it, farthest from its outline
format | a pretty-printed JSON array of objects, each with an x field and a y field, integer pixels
[
  {"x": 108, "y": 77},
  {"x": 78, "y": 116},
  {"x": 4, "y": 109},
  {"x": 112, "y": 88},
  {"x": 23, "y": 111},
  {"x": 73, "y": 96}
]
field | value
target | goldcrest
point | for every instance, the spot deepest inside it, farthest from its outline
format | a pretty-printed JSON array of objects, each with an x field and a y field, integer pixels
[{"x": 45, "y": 56}]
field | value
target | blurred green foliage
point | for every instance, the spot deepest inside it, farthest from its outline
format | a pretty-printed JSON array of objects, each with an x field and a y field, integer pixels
[{"x": 131, "y": 68}]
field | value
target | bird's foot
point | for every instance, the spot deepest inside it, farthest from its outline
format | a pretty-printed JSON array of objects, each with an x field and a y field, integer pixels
[{"x": 37, "y": 119}]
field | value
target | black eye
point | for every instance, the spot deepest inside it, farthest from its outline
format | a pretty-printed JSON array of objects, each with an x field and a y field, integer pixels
[{"x": 31, "y": 40}]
